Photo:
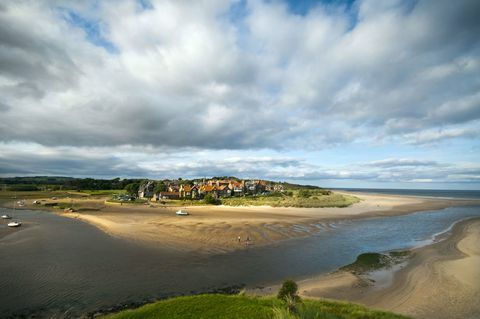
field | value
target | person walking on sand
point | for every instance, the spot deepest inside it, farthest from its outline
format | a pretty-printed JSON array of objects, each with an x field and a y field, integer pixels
[
  {"x": 239, "y": 239},
  {"x": 247, "y": 241}
]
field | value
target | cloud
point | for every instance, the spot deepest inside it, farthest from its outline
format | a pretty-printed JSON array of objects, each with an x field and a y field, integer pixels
[
  {"x": 184, "y": 76},
  {"x": 158, "y": 163},
  {"x": 141, "y": 79},
  {"x": 394, "y": 162}
]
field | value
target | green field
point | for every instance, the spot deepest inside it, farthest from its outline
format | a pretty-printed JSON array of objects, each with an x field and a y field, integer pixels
[{"x": 241, "y": 307}]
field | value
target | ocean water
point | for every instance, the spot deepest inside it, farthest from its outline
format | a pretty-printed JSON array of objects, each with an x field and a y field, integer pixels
[
  {"x": 441, "y": 193},
  {"x": 60, "y": 267}
]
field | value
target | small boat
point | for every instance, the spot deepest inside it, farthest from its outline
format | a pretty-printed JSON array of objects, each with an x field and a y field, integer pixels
[
  {"x": 6, "y": 217},
  {"x": 182, "y": 213},
  {"x": 14, "y": 224}
]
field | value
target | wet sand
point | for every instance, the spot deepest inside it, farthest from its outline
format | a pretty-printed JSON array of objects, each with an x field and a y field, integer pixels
[
  {"x": 441, "y": 280},
  {"x": 215, "y": 229}
]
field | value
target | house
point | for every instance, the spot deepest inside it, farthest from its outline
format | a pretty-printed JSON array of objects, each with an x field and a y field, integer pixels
[
  {"x": 207, "y": 189},
  {"x": 185, "y": 191},
  {"x": 224, "y": 191},
  {"x": 194, "y": 192},
  {"x": 173, "y": 188},
  {"x": 168, "y": 195},
  {"x": 146, "y": 189},
  {"x": 237, "y": 188},
  {"x": 251, "y": 187}
]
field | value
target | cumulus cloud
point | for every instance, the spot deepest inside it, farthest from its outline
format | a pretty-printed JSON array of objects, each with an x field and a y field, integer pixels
[
  {"x": 188, "y": 74},
  {"x": 237, "y": 75}
]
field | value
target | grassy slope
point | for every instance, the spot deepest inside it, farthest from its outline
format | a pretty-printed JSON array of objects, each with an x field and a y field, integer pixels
[{"x": 241, "y": 307}]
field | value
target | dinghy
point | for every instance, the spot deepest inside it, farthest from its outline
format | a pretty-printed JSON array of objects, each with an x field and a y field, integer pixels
[
  {"x": 182, "y": 213},
  {"x": 14, "y": 224}
]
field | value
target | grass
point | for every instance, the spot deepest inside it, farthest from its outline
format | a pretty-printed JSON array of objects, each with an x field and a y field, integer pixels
[
  {"x": 372, "y": 261},
  {"x": 242, "y": 307},
  {"x": 293, "y": 199}
]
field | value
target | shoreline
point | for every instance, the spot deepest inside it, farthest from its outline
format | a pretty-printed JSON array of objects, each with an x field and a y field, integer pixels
[
  {"x": 437, "y": 280},
  {"x": 215, "y": 229}
]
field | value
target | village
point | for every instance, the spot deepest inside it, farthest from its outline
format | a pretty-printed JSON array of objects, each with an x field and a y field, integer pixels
[{"x": 199, "y": 189}]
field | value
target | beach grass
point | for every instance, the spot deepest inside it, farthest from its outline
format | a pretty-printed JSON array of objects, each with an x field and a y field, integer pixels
[
  {"x": 215, "y": 306},
  {"x": 294, "y": 199},
  {"x": 372, "y": 261}
]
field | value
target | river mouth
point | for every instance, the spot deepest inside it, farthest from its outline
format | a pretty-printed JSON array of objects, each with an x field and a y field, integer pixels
[{"x": 66, "y": 268}]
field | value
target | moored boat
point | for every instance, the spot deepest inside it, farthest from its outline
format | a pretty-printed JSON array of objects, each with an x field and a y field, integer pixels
[
  {"x": 14, "y": 224},
  {"x": 182, "y": 213},
  {"x": 6, "y": 216}
]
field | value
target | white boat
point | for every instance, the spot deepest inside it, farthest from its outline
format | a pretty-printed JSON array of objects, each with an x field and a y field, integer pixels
[
  {"x": 14, "y": 224},
  {"x": 182, "y": 213}
]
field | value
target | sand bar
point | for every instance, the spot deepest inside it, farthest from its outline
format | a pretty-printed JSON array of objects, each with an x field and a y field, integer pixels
[{"x": 215, "y": 229}]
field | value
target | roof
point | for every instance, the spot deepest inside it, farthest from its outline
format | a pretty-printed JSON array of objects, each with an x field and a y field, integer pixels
[
  {"x": 169, "y": 193},
  {"x": 207, "y": 188}
]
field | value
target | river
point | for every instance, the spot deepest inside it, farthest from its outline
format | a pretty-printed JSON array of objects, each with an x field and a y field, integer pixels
[{"x": 61, "y": 267}]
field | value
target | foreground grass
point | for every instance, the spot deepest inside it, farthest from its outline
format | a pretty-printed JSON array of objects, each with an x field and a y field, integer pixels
[{"x": 241, "y": 307}]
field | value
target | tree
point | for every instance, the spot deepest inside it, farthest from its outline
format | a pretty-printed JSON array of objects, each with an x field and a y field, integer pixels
[
  {"x": 132, "y": 189},
  {"x": 210, "y": 199},
  {"x": 160, "y": 187},
  {"x": 288, "y": 291}
]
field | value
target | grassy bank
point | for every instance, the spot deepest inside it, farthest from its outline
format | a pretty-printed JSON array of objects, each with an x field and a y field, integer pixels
[
  {"x": 241, "y": 307},
  {"x": 291, "y": 198},
  {"x": 294, "y": 199}
]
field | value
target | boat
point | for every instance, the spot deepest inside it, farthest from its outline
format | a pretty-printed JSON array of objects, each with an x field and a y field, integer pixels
[
  {"x": 14, "y": 224},
  {"x": 182, "y": 213}
]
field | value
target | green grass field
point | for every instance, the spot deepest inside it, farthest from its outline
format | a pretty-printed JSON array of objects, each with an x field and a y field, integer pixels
[{"x": 241, "y": 307}]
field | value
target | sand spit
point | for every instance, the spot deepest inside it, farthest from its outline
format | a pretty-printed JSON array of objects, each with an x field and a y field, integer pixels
[{"x": 215, "y": 229}]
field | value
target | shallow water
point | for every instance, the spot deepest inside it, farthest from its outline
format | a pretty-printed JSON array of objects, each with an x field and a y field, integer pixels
[{"x": 63, "y": 267}]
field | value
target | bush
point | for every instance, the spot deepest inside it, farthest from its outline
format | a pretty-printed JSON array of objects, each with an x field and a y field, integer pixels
[
  {"x": 288, "y": 291},
  {"x": 210, "y": 199},
  {"x": 304, "y": 193}
]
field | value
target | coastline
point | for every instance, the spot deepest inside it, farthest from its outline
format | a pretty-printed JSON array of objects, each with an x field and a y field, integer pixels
[
  {"x": 439, "y": 280},
  {"x": 215, "y": 229}
]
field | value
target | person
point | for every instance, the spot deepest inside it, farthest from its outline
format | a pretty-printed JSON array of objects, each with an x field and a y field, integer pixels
[{"x": 239, "y": 239}]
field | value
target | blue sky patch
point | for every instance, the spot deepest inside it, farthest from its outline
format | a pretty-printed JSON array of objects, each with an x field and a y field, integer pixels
[{"x": 92, "y": 28}]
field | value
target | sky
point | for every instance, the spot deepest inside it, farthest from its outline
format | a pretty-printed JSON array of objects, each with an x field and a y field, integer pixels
[{"x": 358, "y": 93}]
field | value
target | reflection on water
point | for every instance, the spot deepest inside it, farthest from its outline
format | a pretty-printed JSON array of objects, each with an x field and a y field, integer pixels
[{"x": 57, "y": 265}]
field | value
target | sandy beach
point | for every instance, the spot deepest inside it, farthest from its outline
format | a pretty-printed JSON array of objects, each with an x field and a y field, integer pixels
[
  {"x": 441, "y": 280},
  {"x": 215, "y": 229}
]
